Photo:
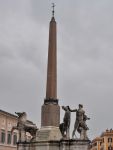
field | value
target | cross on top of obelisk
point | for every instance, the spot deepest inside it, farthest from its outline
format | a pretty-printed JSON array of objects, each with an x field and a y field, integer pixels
[{"x": 53, "y": 7}]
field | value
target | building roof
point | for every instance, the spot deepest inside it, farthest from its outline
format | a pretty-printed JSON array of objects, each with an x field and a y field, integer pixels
[
  {"x": 107, "y": 133},
  {"x": 8, "y": 114},
  {"x": 12, "y": 115},
  {"x": 97, "y": 139}
]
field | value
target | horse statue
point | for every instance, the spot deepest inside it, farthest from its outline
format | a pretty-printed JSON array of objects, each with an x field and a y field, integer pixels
[{"x": 23, "y": 126}]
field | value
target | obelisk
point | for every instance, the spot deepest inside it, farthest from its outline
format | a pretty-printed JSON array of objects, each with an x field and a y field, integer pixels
[{"x": 50, "y": 113}]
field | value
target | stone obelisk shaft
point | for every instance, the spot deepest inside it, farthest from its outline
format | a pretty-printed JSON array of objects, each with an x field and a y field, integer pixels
[
  {"x": 51, "y": 87},
  {"x": 50, "y": 115}
]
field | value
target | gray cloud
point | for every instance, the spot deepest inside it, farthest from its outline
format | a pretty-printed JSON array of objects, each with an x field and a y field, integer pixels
[{"x": 85, "y": 57}]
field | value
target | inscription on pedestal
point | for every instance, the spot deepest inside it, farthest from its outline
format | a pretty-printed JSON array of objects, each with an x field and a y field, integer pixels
[{"x": 43, "y": 135}]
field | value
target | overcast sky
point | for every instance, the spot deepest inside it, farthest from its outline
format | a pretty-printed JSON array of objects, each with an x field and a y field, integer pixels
[{"x": 85, "y": 57}]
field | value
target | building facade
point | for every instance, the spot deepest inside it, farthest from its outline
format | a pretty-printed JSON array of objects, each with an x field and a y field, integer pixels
[
  {"x": 104, "y": 142},
  {"x": 8, "y": 140}
]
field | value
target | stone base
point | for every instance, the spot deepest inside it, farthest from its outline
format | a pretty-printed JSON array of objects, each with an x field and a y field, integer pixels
[
  {"x": 75, "y": 145},
  {"x": 56, "y": 145},
  {"x": 48, "y": 133},
  {"x": 50, "y": 114}
]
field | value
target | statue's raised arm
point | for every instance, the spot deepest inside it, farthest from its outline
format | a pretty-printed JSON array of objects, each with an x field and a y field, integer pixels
[{"x": 72, "y": 110}]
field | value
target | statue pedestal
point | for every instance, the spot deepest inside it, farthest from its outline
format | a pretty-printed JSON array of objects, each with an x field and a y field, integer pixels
[
  {"x": 74, "y": 145},
  {"x": 48, "y": 133},
  {"x": 55, "y": 145}
]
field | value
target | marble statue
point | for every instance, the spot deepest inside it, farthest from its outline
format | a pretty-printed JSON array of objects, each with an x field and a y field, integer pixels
[
  {"x": 80, "y": 123},
  {"x": 65, "y": 126},
  {"x": 23, "y": 126}
]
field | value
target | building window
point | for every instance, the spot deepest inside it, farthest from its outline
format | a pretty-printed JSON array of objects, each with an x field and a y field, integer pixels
[
  {"x": 110, "y": 148},
  {"x": 95, "y": 144},
  {"x": 3, "y": 136},
  {"x": 9, "y": 138},
  {"x": 14, "y": 139},
  {"x": 109, "y": 140}
]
